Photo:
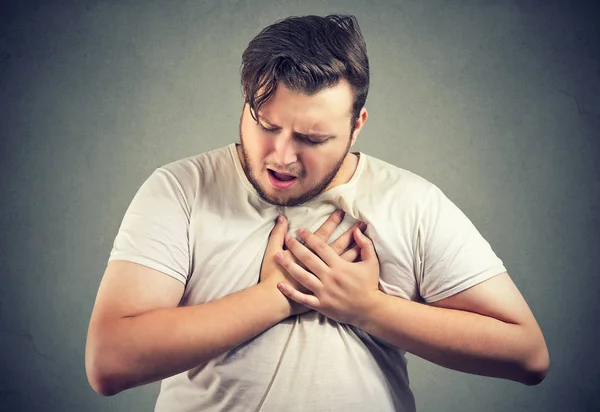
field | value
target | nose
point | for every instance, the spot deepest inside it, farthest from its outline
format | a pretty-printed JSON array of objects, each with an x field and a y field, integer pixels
[{"x": 285, "y": 150}]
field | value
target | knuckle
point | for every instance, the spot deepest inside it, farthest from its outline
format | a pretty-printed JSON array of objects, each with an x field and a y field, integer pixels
[
  {"x": 312, "y": 303},
  {"x": 341, "y": 244},
  {"x": 352, "y": 254},
  {"x": 325, "y": 231},
  {"x": 322, "y": 234},
  {"x": 326, "y": 302},
  {"x": 348, "y": 239},
  {"x": 319, "y": 245},
  {"x": 337, "y": 248}
]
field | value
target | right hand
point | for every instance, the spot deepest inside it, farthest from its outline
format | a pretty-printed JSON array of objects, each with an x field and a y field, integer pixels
[{"x": 272, "y": 273}]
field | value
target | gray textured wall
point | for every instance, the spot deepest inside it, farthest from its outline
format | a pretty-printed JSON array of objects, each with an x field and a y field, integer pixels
[{"x": 495, "y": 102}]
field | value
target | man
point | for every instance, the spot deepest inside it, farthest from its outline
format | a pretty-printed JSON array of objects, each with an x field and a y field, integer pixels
[{"x": 199, "y": 294}]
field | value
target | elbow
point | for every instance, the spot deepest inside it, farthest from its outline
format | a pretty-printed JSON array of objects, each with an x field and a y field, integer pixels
[
  {"x": 103, "y": 380},
  {"x": 536, "y": 368},
  {"x": 102, "y": 385}
]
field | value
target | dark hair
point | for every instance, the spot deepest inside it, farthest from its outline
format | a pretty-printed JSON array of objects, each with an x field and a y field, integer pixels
[{"x": 307, "y": 54}]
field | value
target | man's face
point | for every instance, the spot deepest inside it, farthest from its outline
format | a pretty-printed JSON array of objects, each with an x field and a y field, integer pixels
[{"x": 299, "y": 148}]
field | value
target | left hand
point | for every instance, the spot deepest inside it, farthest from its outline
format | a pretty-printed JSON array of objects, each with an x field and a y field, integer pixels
[{"x": 341, "y": 290}]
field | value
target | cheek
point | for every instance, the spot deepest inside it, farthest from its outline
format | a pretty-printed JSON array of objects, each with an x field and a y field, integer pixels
[
  {"x": 256, "y": 149},
  {"x": 313, "y": 167},
  {"x": 320, "y": 165},
  {"x": 262, "y": 154}
]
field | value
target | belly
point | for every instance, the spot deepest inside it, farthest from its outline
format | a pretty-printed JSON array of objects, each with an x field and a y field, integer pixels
[{"x": 304, "y": 363}]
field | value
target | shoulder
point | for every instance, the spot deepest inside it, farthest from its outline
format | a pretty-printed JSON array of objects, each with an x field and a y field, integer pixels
[
  {"x": 194, "y": 171},
  {"x": 184, "y": 178},
  {"x": 383, "y": 179},
  {"x": 202, "y": 163}
]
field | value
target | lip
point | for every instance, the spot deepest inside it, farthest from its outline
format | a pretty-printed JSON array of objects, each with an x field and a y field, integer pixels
[
  {"x": 282, "y": 173},
  {"x": 281, "y": 185}
]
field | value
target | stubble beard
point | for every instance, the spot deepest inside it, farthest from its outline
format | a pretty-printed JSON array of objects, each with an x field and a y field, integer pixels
[{"x": 289, "y": 201}]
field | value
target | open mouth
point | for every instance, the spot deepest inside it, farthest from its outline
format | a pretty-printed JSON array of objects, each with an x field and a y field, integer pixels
[
  {"x": 282, "y": 176},
  {"x": 281, "y": 180}
]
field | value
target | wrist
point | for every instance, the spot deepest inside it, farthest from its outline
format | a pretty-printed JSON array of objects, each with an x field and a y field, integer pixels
[
  {"x": 277, "y": 303},
  {"x": 368, "y": 312}
]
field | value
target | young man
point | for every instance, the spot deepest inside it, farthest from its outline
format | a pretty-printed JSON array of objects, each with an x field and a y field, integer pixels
[{"x": 235, "y": 314}]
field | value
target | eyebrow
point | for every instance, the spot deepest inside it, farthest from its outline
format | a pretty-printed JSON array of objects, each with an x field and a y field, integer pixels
[{"x": 317, "y": 136}]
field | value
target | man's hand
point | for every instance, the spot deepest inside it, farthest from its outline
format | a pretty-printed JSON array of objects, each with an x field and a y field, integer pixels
[
  {"x": 343, "y": 248},
  {"x": 487, "y": 329},
  {"x": 342, "y": 290}
]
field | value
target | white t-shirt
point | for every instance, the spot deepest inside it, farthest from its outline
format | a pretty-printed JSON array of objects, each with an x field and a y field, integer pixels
[{"x": 200, "y": 221}]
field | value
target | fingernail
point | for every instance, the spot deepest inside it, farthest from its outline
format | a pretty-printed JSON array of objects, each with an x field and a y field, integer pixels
[
  {"x": 362, "y": 226},
  {"x": 281, "y": 219},
  {"x": 340, "y": 212}
]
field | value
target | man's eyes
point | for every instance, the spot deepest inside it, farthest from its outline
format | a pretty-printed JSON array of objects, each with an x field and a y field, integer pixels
[
  {"x": 266, "y": 129},
  {"x": 303, "y": 139},
  {"x": 311, "y": 142}
]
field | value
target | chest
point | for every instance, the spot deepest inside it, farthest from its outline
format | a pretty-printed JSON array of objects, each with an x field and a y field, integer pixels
[{"x": 226, "y": 252}]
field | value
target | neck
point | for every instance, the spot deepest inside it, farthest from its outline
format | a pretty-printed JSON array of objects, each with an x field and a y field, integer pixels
[{"x": 346, "y": 171}]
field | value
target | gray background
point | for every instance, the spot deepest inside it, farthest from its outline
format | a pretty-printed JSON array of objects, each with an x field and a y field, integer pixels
[{"x": 495, "y": 102}]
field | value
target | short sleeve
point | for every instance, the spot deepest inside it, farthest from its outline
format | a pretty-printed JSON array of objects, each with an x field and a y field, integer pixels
[
  {"x": 154, "y": 230},
  {"x": 453, "y": 254}
]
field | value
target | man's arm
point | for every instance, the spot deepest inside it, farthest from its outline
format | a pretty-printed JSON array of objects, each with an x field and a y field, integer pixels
[
  {"x": 137, "y": 334},
  {"x": 487, "y": 329}
]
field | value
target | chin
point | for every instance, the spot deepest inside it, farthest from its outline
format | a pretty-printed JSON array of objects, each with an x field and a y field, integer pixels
[{"x": 282, "y": 200}]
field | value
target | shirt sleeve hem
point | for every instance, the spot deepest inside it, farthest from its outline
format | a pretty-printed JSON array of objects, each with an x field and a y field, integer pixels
[
  {"x": 152, "y": 264},
  {"x": 469, "y": 283}
]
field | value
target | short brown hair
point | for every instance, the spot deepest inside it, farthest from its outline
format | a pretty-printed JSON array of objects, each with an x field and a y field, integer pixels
[{"x": 307, "y": 54}]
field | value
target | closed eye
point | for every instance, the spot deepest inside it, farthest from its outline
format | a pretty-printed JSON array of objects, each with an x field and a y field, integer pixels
[
  {"x": 303, "y": 138},
  {"x": 311, "y": 142},
  {"x": 306, "y": 139},
  {"x": 266, "y": 129}
]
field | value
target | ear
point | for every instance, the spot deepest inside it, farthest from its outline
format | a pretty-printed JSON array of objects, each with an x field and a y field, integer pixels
[{"x": 360, "y": 122}]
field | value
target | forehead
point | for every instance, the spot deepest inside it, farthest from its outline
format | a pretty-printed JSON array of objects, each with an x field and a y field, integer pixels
[{"x": 322, "y": 108}]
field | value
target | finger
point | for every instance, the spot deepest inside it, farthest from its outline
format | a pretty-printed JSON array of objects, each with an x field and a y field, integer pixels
[
  {"x": 346, "y": 239},
  {"x": 351, "y": 254},
  {"x": 320, "y": 248},
  {"x": 290, "y": 255},
  {"x": 301, "y": 252},
  {"x": 303, "y": 277},
  {"x": 277, "y": 236},
  {"x": 367, "y": 250},
  {"x": 310, "y": 301},
  {"x": 329, "y": 226}
]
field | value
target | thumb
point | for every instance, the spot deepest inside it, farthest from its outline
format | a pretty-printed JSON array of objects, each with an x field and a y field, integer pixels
[
  {"x": 367, "y": 250},
  {"x": 277, "y": 236}
]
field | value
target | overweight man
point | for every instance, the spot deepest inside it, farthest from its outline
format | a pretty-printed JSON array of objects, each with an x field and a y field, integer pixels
[{"x": 288, "y": 273}]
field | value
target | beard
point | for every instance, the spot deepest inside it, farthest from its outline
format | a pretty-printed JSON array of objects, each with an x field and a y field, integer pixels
[{"x": 311, "y": 193}]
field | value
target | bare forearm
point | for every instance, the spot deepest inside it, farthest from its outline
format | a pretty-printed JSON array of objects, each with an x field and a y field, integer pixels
[
  {"x": 154, "y": 345},
  {"x": 459, "y": 340}
]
